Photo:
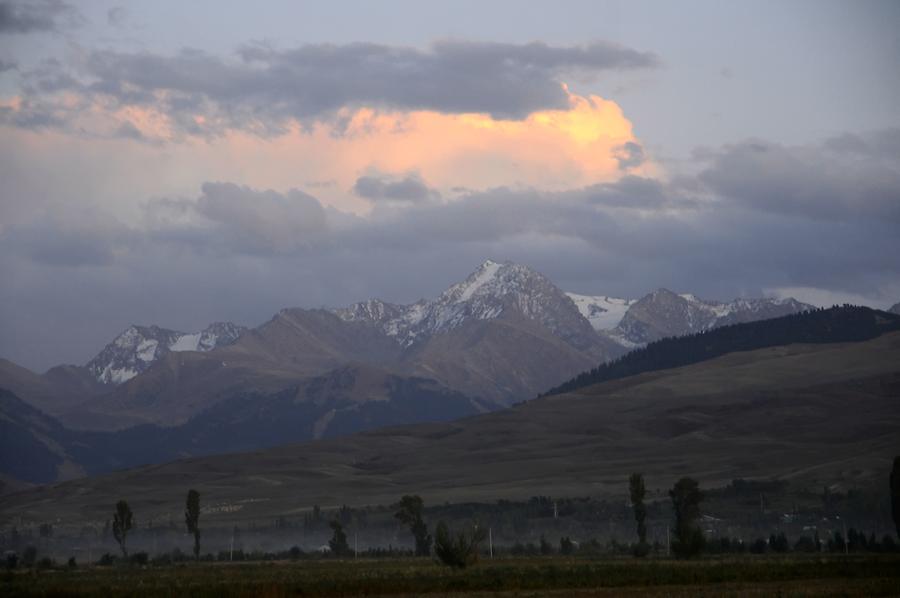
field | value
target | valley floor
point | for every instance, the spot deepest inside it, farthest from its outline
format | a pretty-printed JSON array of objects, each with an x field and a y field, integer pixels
[{"x": 796, "y": 575}]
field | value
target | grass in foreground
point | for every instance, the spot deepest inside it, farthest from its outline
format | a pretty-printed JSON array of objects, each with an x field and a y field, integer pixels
[{"x": 789, "y": 576}]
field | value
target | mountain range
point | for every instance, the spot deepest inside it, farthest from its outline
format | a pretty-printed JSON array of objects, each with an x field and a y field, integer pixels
[
  {"x": 504, "y": 334},
  {"x": 492, "y": 290},
  {"x": 809, "y": 398}
]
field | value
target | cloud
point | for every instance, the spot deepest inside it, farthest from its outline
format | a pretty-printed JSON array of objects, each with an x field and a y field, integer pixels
[
  {"x": 847, "y": 177},
  {"x": 235, "y": 219},
  {"x": 629, "y": 155},
  {"x": 117, "y": 16},
  {"x": 550, "y": 150},
  {"x": 266, "y": 91},
  {"x": 410, "y": 188},
  {"x": 71, "y": 239},
  {"x": 34, "y": 15}
]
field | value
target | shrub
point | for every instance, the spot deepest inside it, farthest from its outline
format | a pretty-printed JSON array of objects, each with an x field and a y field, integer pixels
[
  {"x": 460, "y": 551},
  {"x": 106, "y": 560},
  {"x": 29, "y": 556},
  {"x": 641, "y": 549},
  {"x": 45, "y": 563},
  {"x": 779, "y": 543},
  {"x": 139, "y": 558},
  {"x": 759, "y": 546},
  {"x": 805, "y": 544}
]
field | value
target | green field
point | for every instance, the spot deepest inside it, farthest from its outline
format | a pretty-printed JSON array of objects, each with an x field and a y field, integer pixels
[{"x": 748, "y": 576}]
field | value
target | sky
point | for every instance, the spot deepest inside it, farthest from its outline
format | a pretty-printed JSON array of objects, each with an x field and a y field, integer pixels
[{"x": 178, "y": 163}]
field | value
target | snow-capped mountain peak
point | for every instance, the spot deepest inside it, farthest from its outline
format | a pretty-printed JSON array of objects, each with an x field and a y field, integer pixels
[
  {"x": 486, "y": 294},
  {"x": 483, "y": 279},
  {"x": 137, "y": 347},
  {"x": 664, "y": 313}
]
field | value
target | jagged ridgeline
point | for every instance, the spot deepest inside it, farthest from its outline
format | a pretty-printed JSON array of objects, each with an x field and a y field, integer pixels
[{"x": 847, "y": 323}]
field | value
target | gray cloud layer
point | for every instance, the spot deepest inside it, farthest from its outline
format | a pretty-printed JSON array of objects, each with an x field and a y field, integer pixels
[
  {"x": 410, "y": 188},
  {"x": 33, "y": 16},
  {"x": 266, "y": 88},
  {"x": 758, "y": 216}
]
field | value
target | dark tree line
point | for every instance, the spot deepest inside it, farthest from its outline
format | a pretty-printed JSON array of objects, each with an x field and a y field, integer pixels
[
  {"x": 837, "y": 324},
  {"x": 461, "y": 549}
]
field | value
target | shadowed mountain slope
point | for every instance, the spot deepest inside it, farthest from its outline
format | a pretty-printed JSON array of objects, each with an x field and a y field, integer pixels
[{"x": 37, "y": 449}]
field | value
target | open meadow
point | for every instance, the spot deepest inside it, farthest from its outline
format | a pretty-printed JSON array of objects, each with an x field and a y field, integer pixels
[{"x": 870, "y": 575}]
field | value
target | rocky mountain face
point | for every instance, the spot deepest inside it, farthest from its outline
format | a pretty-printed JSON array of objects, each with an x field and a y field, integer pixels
[
  {"x": 490, "y": 292},
  {"x": 135, "y": 349},
  {"x": 504, "y": 334},
  {"x": 895, "y": 309},
  {"x": 507, "y": 295},
  {"x": 663, "y": 313}
]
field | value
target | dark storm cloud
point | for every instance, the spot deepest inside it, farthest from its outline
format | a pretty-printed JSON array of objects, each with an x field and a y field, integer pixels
[
  {"x": 410, "y": 188},
  {"x": 259, "y": 222},
  {"x": 264, "y": 89},
  {"x": 848, "y": 177},
  {"x": 637, "y": 193},
  {"x": 33, "y": 16}
]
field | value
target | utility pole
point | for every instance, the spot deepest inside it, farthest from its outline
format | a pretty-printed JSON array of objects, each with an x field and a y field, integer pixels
[
  {"x": 355, "y": 544},
  {"x": 668, "y": 544},
  {"x": 231, "y": 555}
]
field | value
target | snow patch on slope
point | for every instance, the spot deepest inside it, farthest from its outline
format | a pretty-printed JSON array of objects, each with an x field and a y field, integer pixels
[
  {"x": 186, "y": 342},
  {"x": 138, "y": 347},
  {"x": 604, "y": 313}
]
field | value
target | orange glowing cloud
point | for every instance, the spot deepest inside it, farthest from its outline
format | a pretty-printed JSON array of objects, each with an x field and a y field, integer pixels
[
  {"x": 555, "y": 149},
  {"x": 552, "y": 149}
]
